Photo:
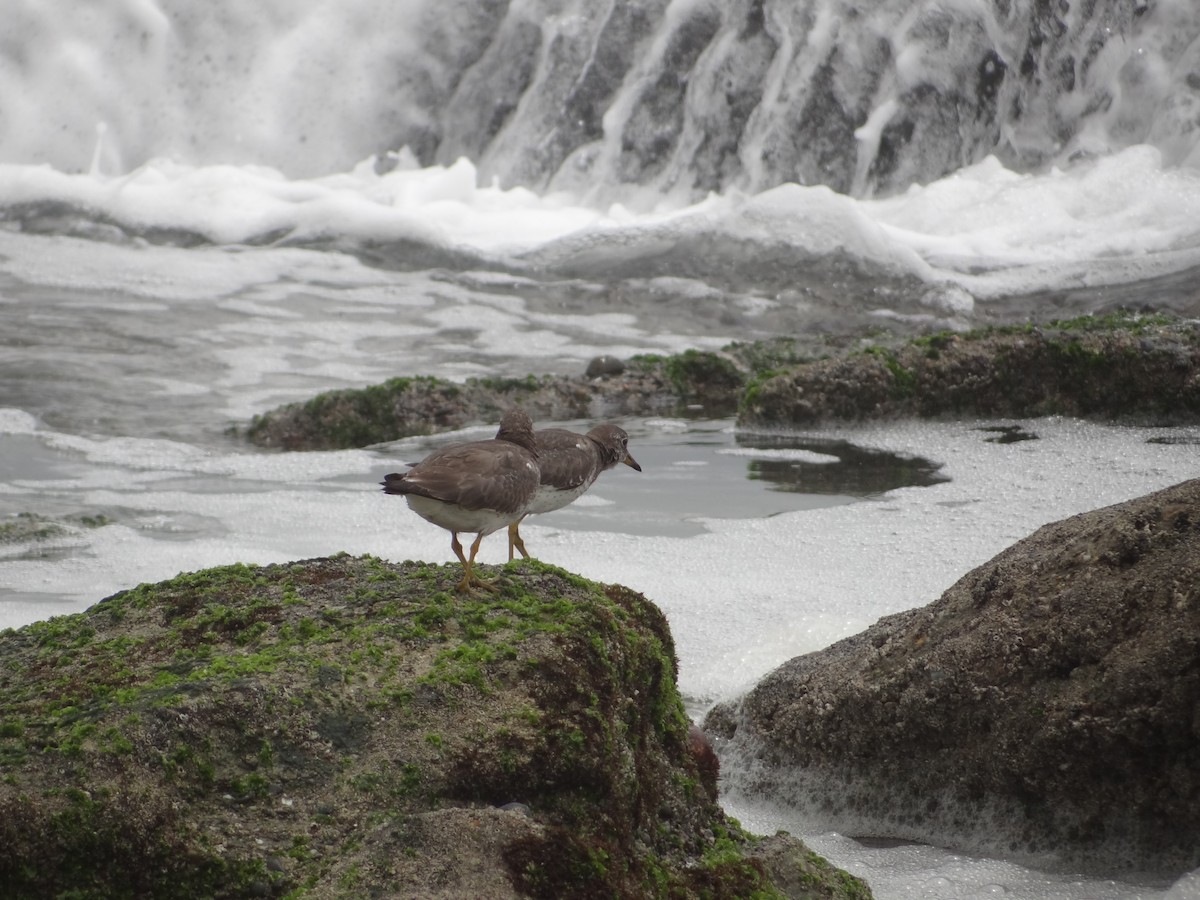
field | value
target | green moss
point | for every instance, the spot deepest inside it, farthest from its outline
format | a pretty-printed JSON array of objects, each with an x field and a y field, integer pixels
[
  {"x": 696, "y": 374},
  {"x": 500, "y": 385},
  {"x": 237, "y": 688},
  {"x": 646, "y": 361},
  {"x": 771, "y": 355},
  {"x": 754, "y": 386},
  {"x": 353, "y": 417},
  {"x": 904, "y": 379},
  {"x": 251, "y": 787},
  {"x": 934, "y": 344}
]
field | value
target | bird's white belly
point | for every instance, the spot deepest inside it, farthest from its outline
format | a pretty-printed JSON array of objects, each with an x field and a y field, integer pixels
[
  {"x": 547, "y": 499},
  {"x": 454, "y": 518}
]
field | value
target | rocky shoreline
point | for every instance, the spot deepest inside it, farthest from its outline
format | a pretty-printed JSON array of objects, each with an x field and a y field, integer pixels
[
  {"x": 1046, "y": 707},
  {"x": 705, "y": 382},
  {"x": 1138, "y": 368},
  {"x": 345, "y": 727}
]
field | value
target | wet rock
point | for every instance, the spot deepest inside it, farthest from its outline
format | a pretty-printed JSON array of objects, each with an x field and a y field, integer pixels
[
  {"x": 1124, "y": 366},
  {"x": 706, "y": 759},
  {"x": 345, "y": 727},
  {"x": 403, "y": 407},
  {"x": 650, "y": 93},
  {"x": 1142, "y": 369},
  {"x": 1048, "y": 704},
  {"x": 599, "y": 366},
  {"x": 707, "y": 382}
]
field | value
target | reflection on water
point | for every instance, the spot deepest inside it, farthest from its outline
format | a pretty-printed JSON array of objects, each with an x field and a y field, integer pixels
[
  {"x": 695, "y": 470},
  {"x": 1008, "y": 434},
  {"x": 1170, "y": 439},
  {"x": 848, "y": 469}
]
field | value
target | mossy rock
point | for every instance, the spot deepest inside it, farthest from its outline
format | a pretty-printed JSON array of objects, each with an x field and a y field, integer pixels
[
  {"x": 689, "y": 383},
  {"x": 347, "y": 727},
  {"x": 403, "y": 407},
  {"x": 1124, "y": 366}
]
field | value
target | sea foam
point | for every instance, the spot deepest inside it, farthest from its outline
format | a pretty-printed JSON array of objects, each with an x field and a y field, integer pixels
[{"x": 1120, "y": 219}]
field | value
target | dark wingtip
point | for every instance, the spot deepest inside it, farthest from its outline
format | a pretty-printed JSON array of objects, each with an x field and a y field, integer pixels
[{"x": 390, "y": 483}]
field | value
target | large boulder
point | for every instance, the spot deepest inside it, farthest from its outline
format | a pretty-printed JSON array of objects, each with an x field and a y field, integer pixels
[
  {"x": 346, "y": 727},
  {"x": 1047, "y": 705},
  {"x": 1124, "y": 366}
]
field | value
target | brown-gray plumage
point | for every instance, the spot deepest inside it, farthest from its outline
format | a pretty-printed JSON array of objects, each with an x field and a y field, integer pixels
[
  {"x": 570, "y": 463},
  {"x": 477, "y": 487}
]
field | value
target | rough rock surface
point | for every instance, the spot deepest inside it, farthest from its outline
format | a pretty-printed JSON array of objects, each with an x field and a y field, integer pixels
[
  {"x": 1047, "y": 703},
  {"x": 346, "y": 727},
  {"x": 1141, "y": 368},
  {"x": 403, "y": 407},
  {"x": 1144, "y": 369},
  {"x": 706, "y": 382}
]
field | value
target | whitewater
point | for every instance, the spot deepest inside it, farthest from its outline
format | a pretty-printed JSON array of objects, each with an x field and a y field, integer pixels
[{"x": 208, "y": 212}]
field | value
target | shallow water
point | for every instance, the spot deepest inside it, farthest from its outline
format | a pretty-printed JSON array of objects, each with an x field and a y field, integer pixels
[{"x": 748, "y": 575}]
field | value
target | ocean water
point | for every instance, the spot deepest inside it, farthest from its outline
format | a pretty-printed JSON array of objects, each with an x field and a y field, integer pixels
[{"x": 205, "y": 213}]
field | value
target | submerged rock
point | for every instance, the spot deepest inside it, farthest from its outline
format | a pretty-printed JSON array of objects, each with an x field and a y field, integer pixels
[
  {"x": 24, "y": 528},
  {"x": 1143, "y": 369},
  {"x": 1048, "y": 704},
  {"x": 346, "y": 727}
]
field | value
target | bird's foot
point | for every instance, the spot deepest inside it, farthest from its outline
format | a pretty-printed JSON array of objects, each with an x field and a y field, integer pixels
[
  {"x": 515, "y": 542},
  {"x": 471, "y": 583}
]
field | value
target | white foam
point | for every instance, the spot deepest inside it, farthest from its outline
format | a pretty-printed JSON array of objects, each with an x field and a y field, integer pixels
[
  {"x": 1112, "y": 220},
  {"x": 791, "y": 455},
  {"x": 1116, "y": 219},
  {"x": 16, "y": 421}
]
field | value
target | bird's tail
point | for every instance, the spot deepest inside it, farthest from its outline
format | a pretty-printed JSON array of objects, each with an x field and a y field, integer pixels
[{"x": 394, "y": 483}]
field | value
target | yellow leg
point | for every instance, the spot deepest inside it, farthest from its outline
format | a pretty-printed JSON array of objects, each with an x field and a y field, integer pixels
[
  {"x": 457, "y": 548},
  {"x": 514, "y": 540},
  {"x": 465, "y": 584},
  {"x": 470, "y": 580}
]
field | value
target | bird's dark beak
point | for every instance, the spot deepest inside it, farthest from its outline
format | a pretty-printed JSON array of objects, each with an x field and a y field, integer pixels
[{"x": 631, "y": 462}]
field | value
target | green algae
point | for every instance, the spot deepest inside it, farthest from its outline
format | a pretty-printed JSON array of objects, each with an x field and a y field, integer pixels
[
  {"x": 357, "y": 417},
  {"x": 357, "y": 691},
  {"x": 1122, "y": 366}
]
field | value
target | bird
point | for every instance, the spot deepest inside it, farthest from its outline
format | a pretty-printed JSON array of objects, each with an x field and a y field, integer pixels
[
  {"x": 479, "y": 487},
  {"x": 569, "y": 464}
]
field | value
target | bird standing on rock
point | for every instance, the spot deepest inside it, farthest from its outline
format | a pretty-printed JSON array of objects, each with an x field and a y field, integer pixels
[
  {"x": 477, "y": 487},
  {"x": 570, "y": 463}
]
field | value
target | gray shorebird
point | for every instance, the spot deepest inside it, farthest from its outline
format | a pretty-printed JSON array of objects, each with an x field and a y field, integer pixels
[
  {"x": 570, "y": 463},
  {"x": 476, "y": 487}
]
